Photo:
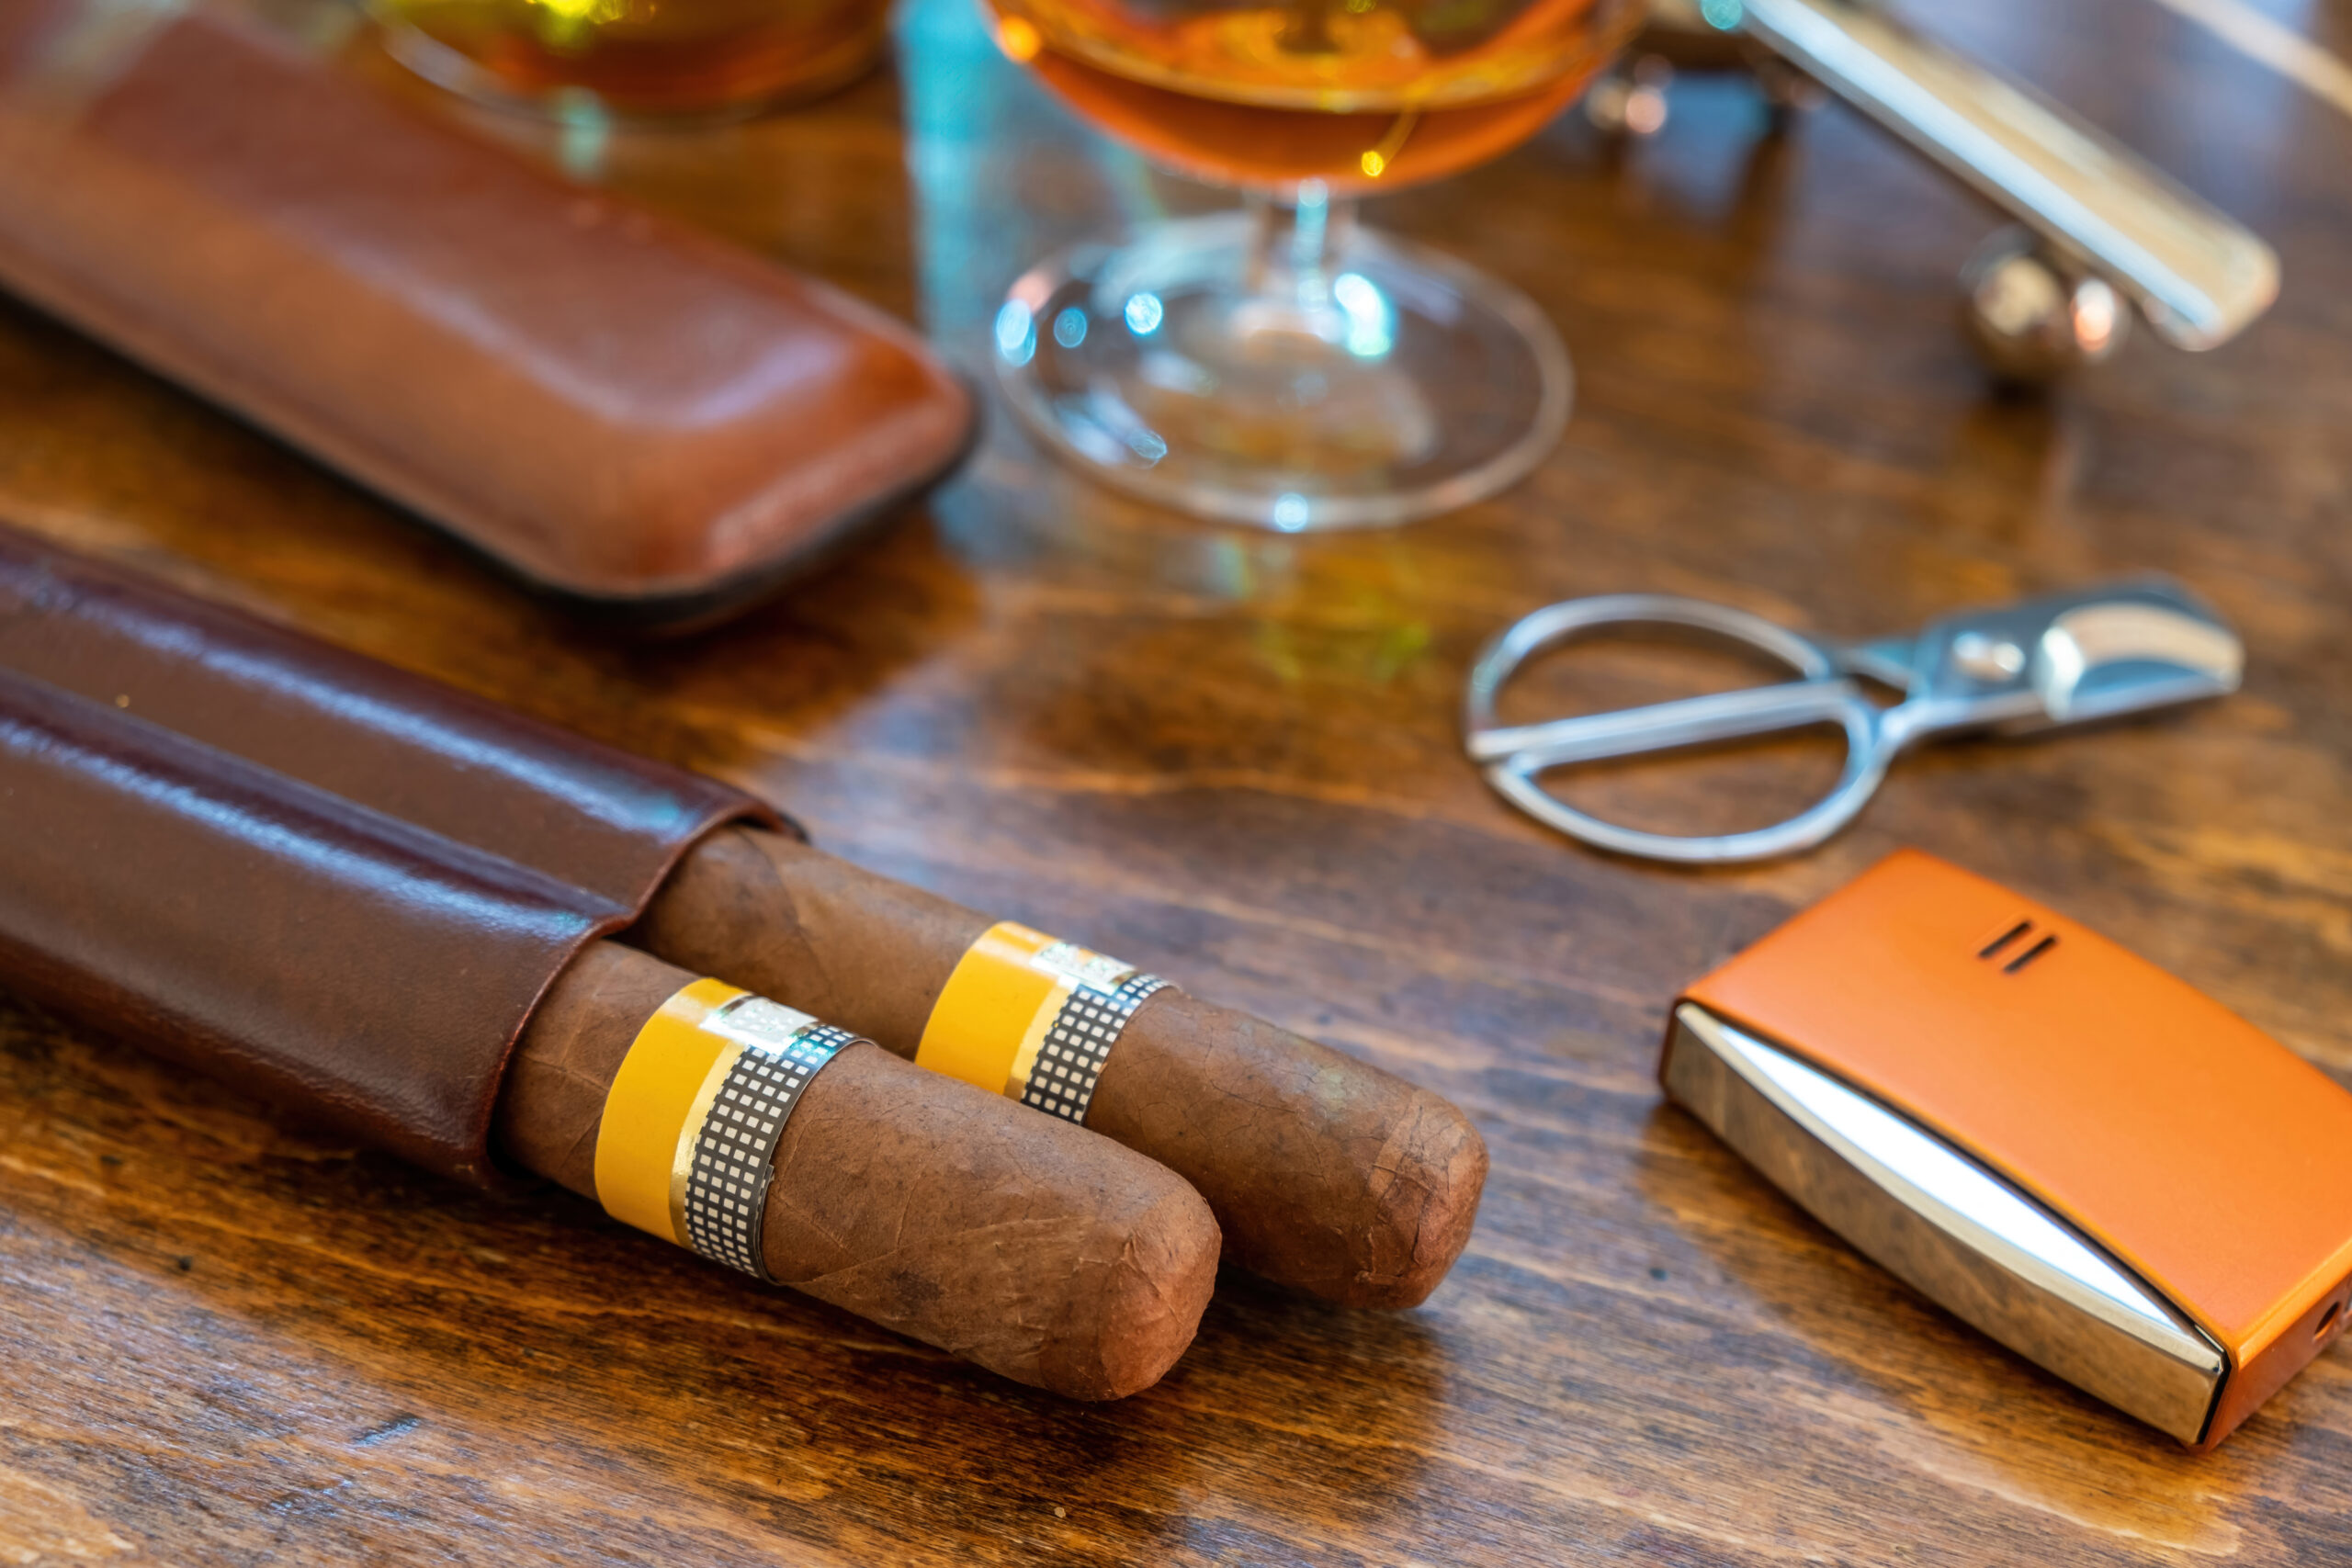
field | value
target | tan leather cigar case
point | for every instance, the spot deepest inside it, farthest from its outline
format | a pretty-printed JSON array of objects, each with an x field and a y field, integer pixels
[{"x": 614, "y": 407}]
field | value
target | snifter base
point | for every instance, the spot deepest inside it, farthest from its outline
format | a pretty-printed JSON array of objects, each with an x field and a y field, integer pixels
[{"x": 1284, "y": 367}]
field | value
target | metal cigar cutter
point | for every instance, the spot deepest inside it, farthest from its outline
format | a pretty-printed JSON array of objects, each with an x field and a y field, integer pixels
[
  {"x": 2064, "y": 1145},
  {"x": 2043, "y": 664}
]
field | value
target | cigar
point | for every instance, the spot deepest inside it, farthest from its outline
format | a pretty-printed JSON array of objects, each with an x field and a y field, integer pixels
[
  {"x": 950, "y": 1215},
  {"x": 1324, "y": 1173}
]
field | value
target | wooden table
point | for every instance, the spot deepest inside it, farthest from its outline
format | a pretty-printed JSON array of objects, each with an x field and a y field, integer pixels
[{"x": 1232, "y": 757}]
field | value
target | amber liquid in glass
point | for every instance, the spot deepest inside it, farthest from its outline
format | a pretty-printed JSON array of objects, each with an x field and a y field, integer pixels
[
  {"x": 648, "y": 57},
  {"x": 1361, "y": 94}
]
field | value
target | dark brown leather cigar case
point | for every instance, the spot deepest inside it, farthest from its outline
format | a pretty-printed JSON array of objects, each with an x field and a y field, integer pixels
[
  {"x": 268, "y": 934},
  {"x": 618, "y": 409},
  {"x": 302, "y": 871}
]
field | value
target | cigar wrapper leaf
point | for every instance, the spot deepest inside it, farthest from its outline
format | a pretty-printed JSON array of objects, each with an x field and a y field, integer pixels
[
  {"x": 921, "y": 1203},
  {"x": 1325, "y": 1173}
]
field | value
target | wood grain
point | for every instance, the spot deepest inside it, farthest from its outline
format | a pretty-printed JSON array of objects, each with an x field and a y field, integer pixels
[{"x": 1232, "y": 760}]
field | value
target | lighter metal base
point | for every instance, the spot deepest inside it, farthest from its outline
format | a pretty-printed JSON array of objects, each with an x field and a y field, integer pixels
[{"x": 1947, "y": 1225}]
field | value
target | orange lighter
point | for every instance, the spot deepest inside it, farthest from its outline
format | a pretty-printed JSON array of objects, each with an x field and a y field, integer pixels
[{"x": 2086, "y": 1158}]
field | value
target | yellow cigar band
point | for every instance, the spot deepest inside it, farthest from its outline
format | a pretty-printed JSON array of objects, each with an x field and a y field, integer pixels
[
  {"x": 995, "y": 1002},
  {"x": 1032, "y": 1018},
  {"x": 655, "y": 1108}
]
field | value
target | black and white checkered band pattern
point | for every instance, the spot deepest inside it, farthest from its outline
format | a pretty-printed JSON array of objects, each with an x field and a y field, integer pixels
[
  {"x": 1061, "y": 1083},
  {"x": 734, "y": 1159}
]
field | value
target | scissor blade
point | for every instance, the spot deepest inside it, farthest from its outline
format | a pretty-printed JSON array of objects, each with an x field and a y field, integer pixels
[
  {"x": 2102, "y": 660},
  {"x": 1666, "y": 727}
]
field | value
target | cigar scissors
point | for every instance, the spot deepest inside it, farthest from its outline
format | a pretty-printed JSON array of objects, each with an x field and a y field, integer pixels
[{"x": 2041, "y": 664}]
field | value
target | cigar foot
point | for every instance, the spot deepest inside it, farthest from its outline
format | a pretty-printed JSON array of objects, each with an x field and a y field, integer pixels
[
  {"x": 1326, "y": 1173},
  {"x": 1149, "y": 1298},
  {"x": 1426, "y": 1183},
  {"x": 1025, "y": 1244}
]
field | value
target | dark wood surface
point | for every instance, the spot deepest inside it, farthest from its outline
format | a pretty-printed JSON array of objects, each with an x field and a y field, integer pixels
[{"x": 1233, "y": 759}]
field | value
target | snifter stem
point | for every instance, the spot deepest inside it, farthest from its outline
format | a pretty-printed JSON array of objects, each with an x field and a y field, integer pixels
[{"x": 1292, "y": 245}]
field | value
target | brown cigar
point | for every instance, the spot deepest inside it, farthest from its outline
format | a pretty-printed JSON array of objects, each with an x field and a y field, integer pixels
[
  {"x": 950, "y": 1215},
  {"x": 1324, "y": 1172}
]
